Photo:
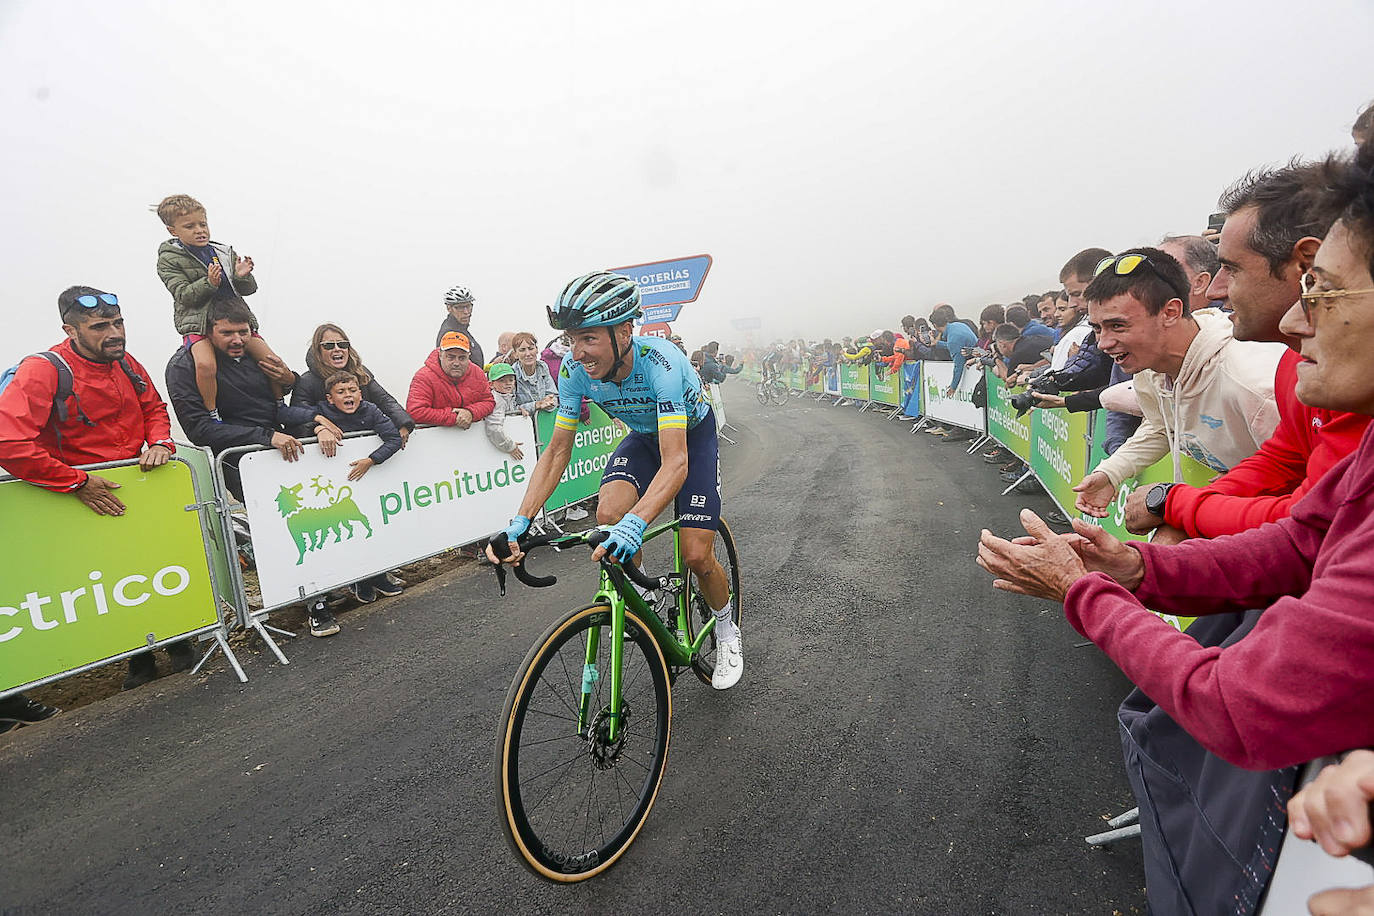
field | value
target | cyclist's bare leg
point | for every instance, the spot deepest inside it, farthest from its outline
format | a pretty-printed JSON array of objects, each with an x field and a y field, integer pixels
[
  {"x": 699, "y": 553},
  {"x": 615, "y": 498}
]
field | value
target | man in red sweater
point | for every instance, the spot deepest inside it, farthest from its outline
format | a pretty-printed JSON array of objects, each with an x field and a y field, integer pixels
[
  {"x": 113, "y": 413},
  {"x": 1270, "y": 237},
  {"x": 447, "y": 391}
]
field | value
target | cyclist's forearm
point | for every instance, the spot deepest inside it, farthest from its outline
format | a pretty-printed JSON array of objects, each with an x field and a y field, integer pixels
[{"x": 547, "y": 471}]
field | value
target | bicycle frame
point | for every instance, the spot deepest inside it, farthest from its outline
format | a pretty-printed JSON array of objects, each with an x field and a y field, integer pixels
[{"x": 615, "y": 592}]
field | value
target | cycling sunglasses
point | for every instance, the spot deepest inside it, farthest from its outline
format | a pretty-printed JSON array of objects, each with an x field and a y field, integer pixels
[
  {"x": 1125, "y": 264},
  {"x": 334, "y": 344},
  {"x": 91, "y": 302}
]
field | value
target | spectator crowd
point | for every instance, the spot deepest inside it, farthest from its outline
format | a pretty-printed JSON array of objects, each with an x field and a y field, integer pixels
[{"x": 1243, "y": 348}]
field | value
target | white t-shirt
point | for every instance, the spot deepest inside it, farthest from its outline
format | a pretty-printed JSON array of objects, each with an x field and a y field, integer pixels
[{"x": 1059, "y": 356}]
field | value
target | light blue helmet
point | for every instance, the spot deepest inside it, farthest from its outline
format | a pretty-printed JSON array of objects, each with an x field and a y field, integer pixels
[{"x": 596, "y": 300}]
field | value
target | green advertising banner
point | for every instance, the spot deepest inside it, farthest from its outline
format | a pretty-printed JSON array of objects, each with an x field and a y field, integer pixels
[
  {"x": 793, "y": 377},
  {"x": 854, "y": 381},
  {"x": 592, "y": 447},
  {"x": 884, "y": 385},
  {"x": 78, "y": 588},
  {"x": 1011, "y": 432},
  {"x": 816, "y": 385},
  {"x": 1059, "y": 457}
]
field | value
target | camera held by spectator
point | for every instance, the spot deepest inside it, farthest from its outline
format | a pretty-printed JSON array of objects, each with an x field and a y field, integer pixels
[{"x": 1045, "y": 384}]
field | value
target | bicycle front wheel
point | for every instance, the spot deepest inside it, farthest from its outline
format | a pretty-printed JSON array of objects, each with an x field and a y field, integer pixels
[
  {"x": 573, "y": 799},
  {"x": 779, "y": 394},
  {"x": 704, "y": 665}
]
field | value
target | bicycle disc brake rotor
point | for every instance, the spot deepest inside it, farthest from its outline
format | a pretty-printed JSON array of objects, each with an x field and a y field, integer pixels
[{"x": 604, "y": 752}]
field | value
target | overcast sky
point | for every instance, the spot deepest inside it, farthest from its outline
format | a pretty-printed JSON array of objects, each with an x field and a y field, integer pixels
[{"x": 843, "y": 163}]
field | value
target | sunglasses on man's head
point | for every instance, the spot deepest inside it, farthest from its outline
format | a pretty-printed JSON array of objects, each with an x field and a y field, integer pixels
[
  {"x": 91, "y": 302},
  {"x": 1125, "y": 264},
  {"x": 334, "y": 344}
]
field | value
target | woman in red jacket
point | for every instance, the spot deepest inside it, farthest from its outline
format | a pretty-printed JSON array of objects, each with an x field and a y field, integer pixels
[{"x": 448, "y": 390}]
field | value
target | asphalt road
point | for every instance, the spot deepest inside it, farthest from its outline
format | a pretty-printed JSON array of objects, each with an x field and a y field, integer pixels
[{"x": 905, "y": 739}]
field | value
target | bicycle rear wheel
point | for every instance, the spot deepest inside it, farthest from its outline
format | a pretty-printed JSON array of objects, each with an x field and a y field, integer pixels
[
  {"x": 699, "y": 612},
  {"x": 763, "y": 393},
  {"x": 571, "y": 803}
]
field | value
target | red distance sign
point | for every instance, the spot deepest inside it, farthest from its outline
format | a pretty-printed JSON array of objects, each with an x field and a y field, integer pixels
[{"x": 656, "y": 329}]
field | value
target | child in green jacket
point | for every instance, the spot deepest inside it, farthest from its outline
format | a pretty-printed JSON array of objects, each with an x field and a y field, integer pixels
[{"x": 197, "y": 271}]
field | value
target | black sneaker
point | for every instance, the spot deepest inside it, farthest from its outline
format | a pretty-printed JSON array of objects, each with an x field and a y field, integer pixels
[
  {"x": 18, "y": 709},
  {"x": 1058, "y": 519},
  {"x": 337, "y": 597},
  {"x": 142, "y": 670},
  {"x": 183, "y": 655},
  {"x": 383, "y": 586},
  {"x": 395, "y": 579},
  {"x": 364, "y": 592},
  {"x": 322, "y": 622}
]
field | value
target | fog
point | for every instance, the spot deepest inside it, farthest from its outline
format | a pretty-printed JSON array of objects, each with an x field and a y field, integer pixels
[{"x": 844, "y": 164}]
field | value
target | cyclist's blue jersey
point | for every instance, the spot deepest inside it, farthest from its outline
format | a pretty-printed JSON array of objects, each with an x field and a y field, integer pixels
[{"x": 661, "y": 392}]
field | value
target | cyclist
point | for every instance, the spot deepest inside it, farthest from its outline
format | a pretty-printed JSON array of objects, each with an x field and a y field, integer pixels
[
  {"x": 671, "y": 452},
  {"x": 770, "y": 363}
]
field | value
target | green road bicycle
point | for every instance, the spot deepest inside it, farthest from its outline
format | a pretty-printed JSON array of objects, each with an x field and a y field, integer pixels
[
  {"x": 583, "y": 738},
  {"x": 773, "y": 391}
]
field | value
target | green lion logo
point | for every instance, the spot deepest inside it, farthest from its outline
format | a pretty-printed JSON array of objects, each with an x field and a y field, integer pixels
[{"x": 310, "y": 525}]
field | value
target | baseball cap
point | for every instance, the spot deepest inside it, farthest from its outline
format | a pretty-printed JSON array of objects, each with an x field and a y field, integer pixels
[
  {"x": 455, "y": 340},
  {"x": 499, "y": 370}
]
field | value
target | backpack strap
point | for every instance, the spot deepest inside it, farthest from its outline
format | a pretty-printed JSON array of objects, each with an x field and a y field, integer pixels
[
  {"x": 65, "y": 389},
  {"x": 139, "y": 384}
]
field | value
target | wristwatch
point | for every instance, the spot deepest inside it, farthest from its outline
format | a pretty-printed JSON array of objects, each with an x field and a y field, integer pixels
[{"x": 1157, "y": 497}]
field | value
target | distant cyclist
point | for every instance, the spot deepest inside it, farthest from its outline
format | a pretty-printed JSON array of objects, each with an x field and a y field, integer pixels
[
  {"x": 771, "y": 362},
  {"x": 670, "y": 454}
]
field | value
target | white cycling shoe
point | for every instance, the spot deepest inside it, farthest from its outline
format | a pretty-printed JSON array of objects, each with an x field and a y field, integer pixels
[{"x": 729, "y": 664}]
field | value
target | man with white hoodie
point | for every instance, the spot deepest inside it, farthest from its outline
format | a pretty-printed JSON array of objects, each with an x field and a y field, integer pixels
[{"x": 1201, "y": 392}]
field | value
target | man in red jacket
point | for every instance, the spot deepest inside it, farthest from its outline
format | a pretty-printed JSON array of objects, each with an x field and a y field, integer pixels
[
  {"x": 447, "y": 391},
  {"x": 113, "y": 413},
  {"x": 1268, "y": 242}
]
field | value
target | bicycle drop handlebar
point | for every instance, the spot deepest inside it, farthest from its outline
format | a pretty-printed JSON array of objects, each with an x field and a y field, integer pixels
[{"x": 500, "y": 546}]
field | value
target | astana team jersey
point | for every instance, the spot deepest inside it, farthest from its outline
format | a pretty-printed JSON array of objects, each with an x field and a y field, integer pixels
[{"x": 661, "y": 392}]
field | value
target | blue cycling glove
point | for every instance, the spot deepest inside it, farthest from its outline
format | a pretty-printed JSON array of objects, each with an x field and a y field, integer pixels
[
  {"x": 518, "y": 526},
  {"x": 627, "y": 536}
]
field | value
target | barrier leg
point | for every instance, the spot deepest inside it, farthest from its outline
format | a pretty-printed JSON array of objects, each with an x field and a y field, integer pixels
[
  {"x": 978, "y": 443},
  {"x": 721, "y": 435},
  {"x": 1019, "y": 480},
  {"x": 222, "y": 645},
  {"x": 271, "y": 644},
  {"x": 920, "y": 424},
  {"x": 1113, "y": 836},
  {"x": 1128, "y": 817}
]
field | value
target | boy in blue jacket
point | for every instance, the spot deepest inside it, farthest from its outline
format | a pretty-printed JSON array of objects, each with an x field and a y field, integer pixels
[{"x": 344, "y": 405}]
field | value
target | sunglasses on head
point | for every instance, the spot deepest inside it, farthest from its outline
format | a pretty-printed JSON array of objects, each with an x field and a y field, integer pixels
[
  {"x": 91, "y": 302},
  {"x": 1125, "y": 264},
  {"x": 334, "y": 344}
]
